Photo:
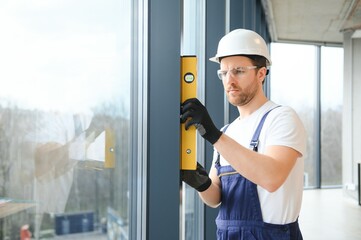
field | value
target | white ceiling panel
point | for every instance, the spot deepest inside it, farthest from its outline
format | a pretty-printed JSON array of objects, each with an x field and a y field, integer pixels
[{"x": 315, "y": 21}]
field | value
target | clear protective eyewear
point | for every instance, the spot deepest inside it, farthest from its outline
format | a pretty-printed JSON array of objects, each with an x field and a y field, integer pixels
[{"x": 236, "y": 72}]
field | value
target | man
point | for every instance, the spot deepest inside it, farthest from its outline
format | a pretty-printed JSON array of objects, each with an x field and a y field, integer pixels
[{"x": 256, "y": 177}]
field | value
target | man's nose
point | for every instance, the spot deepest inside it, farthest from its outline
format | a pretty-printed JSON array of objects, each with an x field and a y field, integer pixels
[{"x": 230, "y": 77}]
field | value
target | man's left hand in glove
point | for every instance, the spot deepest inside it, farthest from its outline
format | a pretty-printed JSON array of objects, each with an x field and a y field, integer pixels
[{"x": 193, "y": 112}]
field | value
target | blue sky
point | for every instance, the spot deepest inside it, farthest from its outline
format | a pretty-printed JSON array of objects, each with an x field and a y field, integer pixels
[{"x": 64, "y": 55}]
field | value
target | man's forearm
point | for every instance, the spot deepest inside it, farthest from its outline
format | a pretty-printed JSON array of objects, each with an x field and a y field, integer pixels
[{"x": 212, "y": 196}]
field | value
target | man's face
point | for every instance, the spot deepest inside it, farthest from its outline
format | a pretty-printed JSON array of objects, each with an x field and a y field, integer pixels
[{"x": 240, "y": 84}]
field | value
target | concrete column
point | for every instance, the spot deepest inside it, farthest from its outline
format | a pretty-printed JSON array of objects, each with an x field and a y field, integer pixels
[{"x": 351, "y": 112}]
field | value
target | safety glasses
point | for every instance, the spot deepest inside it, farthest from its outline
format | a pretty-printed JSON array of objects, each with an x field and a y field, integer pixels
[{"x": 236, "y": 72}]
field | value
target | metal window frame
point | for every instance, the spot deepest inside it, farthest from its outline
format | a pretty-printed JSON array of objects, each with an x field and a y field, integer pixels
[
  {"x": 162, "y": 156},
  {"x": 155, "y": 150},
  {"x": 138, "y": 186}
]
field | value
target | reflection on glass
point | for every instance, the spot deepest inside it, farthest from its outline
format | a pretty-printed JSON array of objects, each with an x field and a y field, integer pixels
[
  {"x": 64, "y": 118},
  {"x": 331, "y": 108},
  {"x": 293, "y": 83}
]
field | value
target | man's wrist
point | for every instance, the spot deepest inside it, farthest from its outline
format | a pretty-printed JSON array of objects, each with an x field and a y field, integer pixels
[
  {"x": 214, "y": 137},
  {"x": 204, "y": 186}
]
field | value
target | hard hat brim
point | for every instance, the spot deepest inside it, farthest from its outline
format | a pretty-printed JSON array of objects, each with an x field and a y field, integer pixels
[{"x": 216, "y": 58}]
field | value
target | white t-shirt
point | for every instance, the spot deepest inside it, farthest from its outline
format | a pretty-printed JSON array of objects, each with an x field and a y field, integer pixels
[{"x": 282, "y": 127}]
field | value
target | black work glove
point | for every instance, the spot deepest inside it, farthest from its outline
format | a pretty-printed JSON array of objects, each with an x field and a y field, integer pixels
[
  {"x": 198, "y": 116},
  {"x": 197, "y": 179}
]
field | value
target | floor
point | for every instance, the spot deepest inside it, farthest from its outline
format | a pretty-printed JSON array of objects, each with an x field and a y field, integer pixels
[{"x": 327, "y": 214}]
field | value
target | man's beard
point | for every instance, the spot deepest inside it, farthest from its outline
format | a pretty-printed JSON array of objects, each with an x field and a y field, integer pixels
[{"x": 244, "y": 96}]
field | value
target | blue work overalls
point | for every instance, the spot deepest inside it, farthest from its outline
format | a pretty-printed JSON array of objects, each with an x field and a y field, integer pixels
[{"x": 240, "y": 215}]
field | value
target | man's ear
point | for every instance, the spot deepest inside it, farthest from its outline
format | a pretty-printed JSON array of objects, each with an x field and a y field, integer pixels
[{"x": 262, "y": 72}]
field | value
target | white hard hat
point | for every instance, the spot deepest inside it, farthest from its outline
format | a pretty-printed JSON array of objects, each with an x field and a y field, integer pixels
[{"x": 242, "y": 42}]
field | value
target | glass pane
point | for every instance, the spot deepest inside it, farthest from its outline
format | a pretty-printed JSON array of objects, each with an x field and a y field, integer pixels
[
  {"x": 293, "y": 83},
  {"x": 191, "y": 217},
  {"x": 331, "y": 108},
  {"x": 64, "y": 119}
]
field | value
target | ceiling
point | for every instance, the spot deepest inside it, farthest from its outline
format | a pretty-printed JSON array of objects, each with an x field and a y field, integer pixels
[{"x": 314, "y": 21}]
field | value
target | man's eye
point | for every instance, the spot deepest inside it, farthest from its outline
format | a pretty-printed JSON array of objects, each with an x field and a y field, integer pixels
[{"x": 238, "y": 71}]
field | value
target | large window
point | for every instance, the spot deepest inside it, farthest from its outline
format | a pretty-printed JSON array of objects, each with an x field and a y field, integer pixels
[
  {"x": 309, "y": 79},
  {"x": 64, "y": 118}
]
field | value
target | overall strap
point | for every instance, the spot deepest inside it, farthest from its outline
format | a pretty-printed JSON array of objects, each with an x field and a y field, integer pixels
[{"x": 255, "y": 139}]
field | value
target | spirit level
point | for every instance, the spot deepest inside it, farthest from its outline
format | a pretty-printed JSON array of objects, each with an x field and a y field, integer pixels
[{"x": 188, "y": 158}]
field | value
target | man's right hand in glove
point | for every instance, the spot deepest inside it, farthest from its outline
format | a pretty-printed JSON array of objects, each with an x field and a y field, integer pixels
[{"x": 197, "y": 179}]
